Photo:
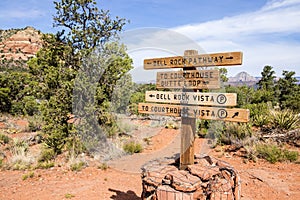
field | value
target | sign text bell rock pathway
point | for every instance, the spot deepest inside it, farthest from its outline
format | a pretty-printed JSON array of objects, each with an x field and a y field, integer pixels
[{"x": 199, "y": 60}]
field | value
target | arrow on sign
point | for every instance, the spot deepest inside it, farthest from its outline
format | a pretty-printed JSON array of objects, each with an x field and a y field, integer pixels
[
  {"x": 151, "y": 95},
  {"x": 235, "y": 114},
  {"x": 229, "y": 58}
]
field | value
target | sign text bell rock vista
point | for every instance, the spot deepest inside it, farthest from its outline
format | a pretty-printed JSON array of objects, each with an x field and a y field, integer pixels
[{"x": 192, "y": 98}]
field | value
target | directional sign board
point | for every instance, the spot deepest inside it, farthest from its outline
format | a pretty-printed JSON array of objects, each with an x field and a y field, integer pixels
[
  {"x": 192, "y": 98},
  {"x": 188, "y": 102},
  {"x": 211, "y": 113},
  {"x": 189, "y": 79},
  {"x": 201, "y": 60}
]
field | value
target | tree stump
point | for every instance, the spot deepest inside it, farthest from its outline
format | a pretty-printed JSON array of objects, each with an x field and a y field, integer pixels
[{"x": 207, "y": 178}]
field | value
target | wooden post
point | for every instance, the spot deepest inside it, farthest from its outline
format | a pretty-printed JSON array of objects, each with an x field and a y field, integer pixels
[
  {"x": 194, "y": 82},
  {"x": 188, "y": 130}
]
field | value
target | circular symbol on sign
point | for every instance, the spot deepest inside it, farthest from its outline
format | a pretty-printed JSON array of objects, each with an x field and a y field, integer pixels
[
  {"x": 221, "y": 99},
  {"x": 222, "y": 113}
]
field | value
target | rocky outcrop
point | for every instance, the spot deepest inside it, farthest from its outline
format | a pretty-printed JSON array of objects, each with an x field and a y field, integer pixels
[{"x": 19, "y": 44}]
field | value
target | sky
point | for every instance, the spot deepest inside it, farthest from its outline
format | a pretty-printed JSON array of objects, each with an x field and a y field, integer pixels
[{"x": 266, "y": 31}]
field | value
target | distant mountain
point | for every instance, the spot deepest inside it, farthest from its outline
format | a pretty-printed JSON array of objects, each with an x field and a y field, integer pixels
[{"x": 242, "y": 78}]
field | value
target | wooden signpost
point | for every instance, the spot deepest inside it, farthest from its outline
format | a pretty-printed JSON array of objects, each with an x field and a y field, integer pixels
[{"x": 188, "y": 103}]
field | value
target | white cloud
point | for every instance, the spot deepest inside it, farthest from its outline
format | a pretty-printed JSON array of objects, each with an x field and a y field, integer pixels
[
  {"x": 273, "y": 4},
  {"x": 272, "y": 18},
  {"x": 264, "y": 36}
]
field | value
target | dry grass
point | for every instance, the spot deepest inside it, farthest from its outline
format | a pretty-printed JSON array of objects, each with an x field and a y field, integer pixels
[{"x": 21, "y": 158}]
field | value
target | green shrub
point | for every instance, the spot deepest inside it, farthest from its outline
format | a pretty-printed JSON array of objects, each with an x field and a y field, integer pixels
[
  {"x": 56, "y": 140},
  {"x": 202, "y": 132},
  {"x": 45, "y": 159},
  {"x": 28, "y": 175},
  {"x": 251, "y": 152},
  {"x": 135, "y": 99},
  {"x": 259, "y": 113},
  {"x": 133, "y": 147},
  {"x": 20, "y": 159},
  {"x": 216, "y": 132},
  {"x": 21, "y": 162},
  {"x": 31, "y": 105},
  {"x": 20, "y": 165},
  {"x": 202, "y": 124},
  {"x": 4, "y": 139},
  {"x": 103, "y": 166},
  {"x": 171, "y": 125},
  {"x": 45, "y": 165},
  {"x": 1, "y": 162},
  {"x": 75, "y": 145},
  {"x": 77, "y": 166},
  {"x": 238, "y": 131},
  {"x": 46, "y": 155},
  {"x": 111, "y": 131},
  {"x": 261, "y": 120},
  {"x": 202, "y": 127},
  {"x": 285, "y": 119},
  {"x": 35, "y": 123},
  {"x": 125, "y": 126},
  {"x": 234, "y": 133},
  {"x": 5, "y": 100},
  {"x": 273, "y": 153},
  {"x": 69, "y": 196},
  {"x": 16, "y": 108},
  {"x": 147, "y": 140},
  {"x": 133, "y": 109},
  {"x": 19, "y": 146},
  {"x": 291, "y": 156}
]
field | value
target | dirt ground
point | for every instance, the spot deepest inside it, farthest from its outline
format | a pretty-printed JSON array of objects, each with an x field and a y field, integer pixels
[{"x": 260, "y": 180}]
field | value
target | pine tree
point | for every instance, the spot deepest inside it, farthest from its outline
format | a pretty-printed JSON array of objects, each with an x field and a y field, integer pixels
[
  {"x": 266, "y": 84},
  {"x": 289, "y": 91},
  {"x": 267, "y": 80}
]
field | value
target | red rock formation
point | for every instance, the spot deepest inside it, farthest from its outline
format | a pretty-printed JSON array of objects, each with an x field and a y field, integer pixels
[{"x": 23, "y": 44}]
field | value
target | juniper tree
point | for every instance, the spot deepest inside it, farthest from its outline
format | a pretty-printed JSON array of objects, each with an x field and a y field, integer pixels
[
  {"x": 86, "y": 26},
  {"x": 86, "y": 30}
]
